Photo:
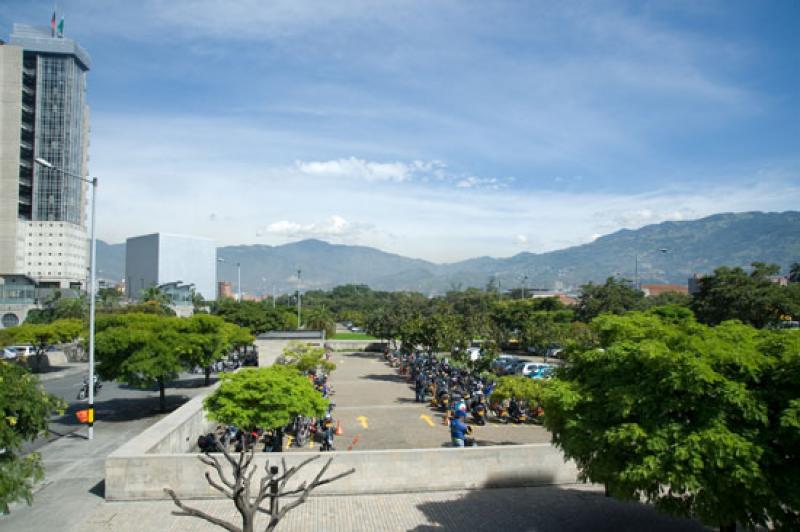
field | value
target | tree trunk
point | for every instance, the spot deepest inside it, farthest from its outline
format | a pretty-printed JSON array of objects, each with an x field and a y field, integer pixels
[
  {"x": 208, "y": 375},
  {"x": 162, "y": 400},
  {"x": 728, "y": 527}
]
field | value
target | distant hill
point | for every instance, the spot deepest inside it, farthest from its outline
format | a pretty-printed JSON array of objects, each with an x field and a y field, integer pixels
[{"x": 692, "y": 246}]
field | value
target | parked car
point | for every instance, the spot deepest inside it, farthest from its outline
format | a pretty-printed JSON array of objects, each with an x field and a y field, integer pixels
[
  {"x": 13, "y": 351},
  {"x": 543, "y": 372},
  {"x": 528, "y": 369},
  {"x": 356, "y": 329},
  {"x": 504, "y": 364},
  {"x": 554, "y": 351}
]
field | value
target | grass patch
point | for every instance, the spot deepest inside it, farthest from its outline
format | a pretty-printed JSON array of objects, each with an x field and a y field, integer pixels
[{"x": 352, "y": 336}]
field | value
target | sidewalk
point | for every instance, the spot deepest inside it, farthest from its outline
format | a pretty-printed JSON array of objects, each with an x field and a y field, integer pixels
[{"x": 64, "y": 370}]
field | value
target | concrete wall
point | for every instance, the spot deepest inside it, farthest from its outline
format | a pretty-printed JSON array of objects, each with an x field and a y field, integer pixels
[
  {"x": 141, "y": 264},
  {"x": 140, "y": 477},
  {"x": 11, "y": 247}
]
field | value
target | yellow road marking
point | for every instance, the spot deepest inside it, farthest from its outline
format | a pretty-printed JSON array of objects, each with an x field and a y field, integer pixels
[
  {"x": 311, "y": 444},
  {"x": 427, "y": 420},
  {"x": 363, "y": 421},
  {"x": 289, "y": 440}
]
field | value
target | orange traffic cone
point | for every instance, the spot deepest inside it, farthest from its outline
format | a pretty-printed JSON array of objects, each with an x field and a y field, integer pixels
[{"x": 339, "y": 430}]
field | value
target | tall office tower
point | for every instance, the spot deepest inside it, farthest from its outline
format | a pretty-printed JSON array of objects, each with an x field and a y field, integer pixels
[{"x": 43, "y": 114}]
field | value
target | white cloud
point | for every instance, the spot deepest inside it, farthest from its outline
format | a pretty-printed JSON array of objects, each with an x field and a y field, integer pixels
[
  {"x": 335, "y": 228},
  {"x": 354, "y": 168},
  {"x": 480, "y": 182}
]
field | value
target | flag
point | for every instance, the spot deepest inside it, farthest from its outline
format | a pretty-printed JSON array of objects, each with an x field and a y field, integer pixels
[
  {"x": 53, "y": 25},
  {"x": 61, "y": 27}
]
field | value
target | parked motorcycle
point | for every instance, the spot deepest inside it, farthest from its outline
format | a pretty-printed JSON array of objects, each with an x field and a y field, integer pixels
[{"x": 83, "y": 393}]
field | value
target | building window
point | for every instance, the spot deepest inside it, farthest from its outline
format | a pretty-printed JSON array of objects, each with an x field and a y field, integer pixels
[{"x": 10, "y": 320}]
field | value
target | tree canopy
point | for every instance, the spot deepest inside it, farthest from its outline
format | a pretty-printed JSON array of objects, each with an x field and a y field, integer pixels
[
  {"x": 702, "y": 421},
  {"x": 266, "y": 398},
  {"x": 149, "y": 349},
  {"x": 615, "y": 296},
  {"x": 25, "y": 409},
  {"x": 732, "y": 293}
]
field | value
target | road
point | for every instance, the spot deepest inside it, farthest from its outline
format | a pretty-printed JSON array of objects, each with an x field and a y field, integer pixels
[{"x": 114, "y": 402}]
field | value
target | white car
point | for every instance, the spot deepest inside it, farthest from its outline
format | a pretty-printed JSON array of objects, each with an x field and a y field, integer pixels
[
  {"x": 13, "y": 351},
  {"x": 532, "y": 367},
  {"x": 9, "y": 353}
]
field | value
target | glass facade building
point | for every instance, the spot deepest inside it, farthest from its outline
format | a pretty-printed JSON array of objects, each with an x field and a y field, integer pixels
[{"x": 45, "y": 116}]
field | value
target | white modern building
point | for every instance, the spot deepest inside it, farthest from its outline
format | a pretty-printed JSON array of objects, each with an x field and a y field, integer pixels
[
  {"x": 43, "y": 114},
  {"x": 160, "y": 258}
]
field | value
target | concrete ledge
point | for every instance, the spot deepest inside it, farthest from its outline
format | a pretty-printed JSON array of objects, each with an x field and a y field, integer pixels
[{"x": 144, "y": 477}]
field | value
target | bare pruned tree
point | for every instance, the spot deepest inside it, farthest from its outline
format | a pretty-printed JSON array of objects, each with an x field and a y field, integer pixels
[{"x": 248, "y": 498}]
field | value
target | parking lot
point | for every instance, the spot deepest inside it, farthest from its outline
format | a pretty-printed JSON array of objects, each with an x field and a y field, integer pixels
[{"x": 376, "y": 409}]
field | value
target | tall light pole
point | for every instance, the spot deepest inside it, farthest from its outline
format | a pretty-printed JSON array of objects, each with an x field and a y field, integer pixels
[
  {"x": 221, "y": 261},
  {"x": 299, "y": 272},
  {"x": 524, "y": 284},
  {"x": 663, "y": 251},
  {"x": 92, "y": 279},
  {"x": 239, "y": 281}
]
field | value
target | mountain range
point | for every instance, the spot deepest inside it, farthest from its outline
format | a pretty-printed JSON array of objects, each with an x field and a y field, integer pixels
[{"x": 667, "y": 252}]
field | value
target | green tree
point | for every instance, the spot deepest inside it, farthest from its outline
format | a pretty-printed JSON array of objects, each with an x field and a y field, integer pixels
[
  {"x": 141, "y": 350},
  {"x": 701, "y": 421},
  {"x": 257, "y": 317},
  {"x": 41, "y": 336},
  {"x": 733, "y": 294},
  {"x": 25, "y": 409},
  {"x": 264, "y": 398},
  {"x": 321, "y": 319},
  {"x": 615, "y": 297},
  {"x": 306, "y": 358},
  {"x": 207, "y": 339},
  {"x": 520, "y": 388},
  {"x": 794, "y": 272},
  {"x": 108, "y": 298},
  {"x": 58, "y": 307}
]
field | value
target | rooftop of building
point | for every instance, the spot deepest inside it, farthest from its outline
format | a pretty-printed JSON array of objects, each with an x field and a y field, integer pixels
[{"x": 41, "y": 39}]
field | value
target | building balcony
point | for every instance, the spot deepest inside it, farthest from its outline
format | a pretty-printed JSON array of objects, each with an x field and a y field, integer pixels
[
  {"x": 25, "y": 200},
  {"x": 25, "y": 145},
  {"x": 26, "y": 163}
]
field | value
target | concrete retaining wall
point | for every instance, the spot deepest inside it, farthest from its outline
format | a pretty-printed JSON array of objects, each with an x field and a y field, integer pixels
[{"x": 391, "y": 471}]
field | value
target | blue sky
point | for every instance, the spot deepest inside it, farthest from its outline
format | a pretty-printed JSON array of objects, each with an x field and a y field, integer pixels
[{"x": 434, "y": 129}]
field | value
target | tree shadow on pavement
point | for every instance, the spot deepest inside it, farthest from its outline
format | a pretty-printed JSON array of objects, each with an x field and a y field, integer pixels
[
  {"x": 373, "y": 356},
  {"x": 122, "y": 409},
  {"x": 547, "y": 509},
  {"x": 385, "y": 378}
]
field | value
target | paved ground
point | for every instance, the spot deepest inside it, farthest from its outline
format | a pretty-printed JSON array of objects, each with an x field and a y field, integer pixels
[
  {"x": 556, "y": 509},
  {"x": 376, "y": 405}
]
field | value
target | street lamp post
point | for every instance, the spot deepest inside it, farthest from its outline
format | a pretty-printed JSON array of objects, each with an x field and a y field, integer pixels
[
  {"x": 298, "y": 297},
  {"x": 239, "y": 281},
  {"x": 92, "y": 279},
  {"x": 663, "y": 251},
  {"x": 221, "y": 261}
]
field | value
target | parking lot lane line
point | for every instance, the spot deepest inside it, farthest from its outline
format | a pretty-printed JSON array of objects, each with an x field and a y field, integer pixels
[{"x": 427, "y": 420}]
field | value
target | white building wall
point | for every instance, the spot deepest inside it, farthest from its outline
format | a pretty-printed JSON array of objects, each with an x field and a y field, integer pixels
[
  {"x": 56, "y": 252},
  {"x": 190, "y": 260},
  {"x": 162, "y": 258}
]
